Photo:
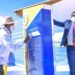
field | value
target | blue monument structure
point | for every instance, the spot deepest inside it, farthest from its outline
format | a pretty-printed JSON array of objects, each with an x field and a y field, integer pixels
[{"x": 40, "y": 46}]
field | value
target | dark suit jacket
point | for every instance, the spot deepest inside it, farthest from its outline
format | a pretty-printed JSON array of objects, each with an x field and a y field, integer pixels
[{"x": 67, "y": 25}]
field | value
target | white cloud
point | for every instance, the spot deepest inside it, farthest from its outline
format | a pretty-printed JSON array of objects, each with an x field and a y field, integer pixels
[{"x": 2, "y": 21}]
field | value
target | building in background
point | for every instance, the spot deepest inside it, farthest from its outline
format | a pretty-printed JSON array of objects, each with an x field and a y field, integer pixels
[{"x": 29, "y": 14}]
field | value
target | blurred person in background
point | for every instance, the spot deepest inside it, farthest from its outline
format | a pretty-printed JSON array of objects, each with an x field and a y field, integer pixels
[{"x": 6, "y": 44}]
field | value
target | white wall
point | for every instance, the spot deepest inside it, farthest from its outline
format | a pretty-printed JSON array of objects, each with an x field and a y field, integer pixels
[{"x": 63, "y": 9}]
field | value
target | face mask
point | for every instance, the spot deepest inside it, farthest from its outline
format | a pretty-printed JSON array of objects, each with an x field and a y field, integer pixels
[
  {"x": 12, "y": 27},
  {"x": 73, "y": 18}
]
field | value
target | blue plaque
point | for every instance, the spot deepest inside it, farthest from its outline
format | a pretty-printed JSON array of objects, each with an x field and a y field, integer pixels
[{"x": 40, "y": 47}]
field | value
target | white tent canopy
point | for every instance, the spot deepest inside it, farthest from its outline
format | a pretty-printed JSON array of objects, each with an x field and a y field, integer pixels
[{"x": 63, "y": 9}]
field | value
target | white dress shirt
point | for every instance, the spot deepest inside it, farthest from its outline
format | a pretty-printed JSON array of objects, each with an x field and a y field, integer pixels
[
  {"x": 6, "y": 45},
  {"x": 70, "y": 35}
]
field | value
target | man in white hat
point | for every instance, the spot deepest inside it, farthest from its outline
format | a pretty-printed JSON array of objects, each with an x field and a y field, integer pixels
[{"x": 6, "y": 44}]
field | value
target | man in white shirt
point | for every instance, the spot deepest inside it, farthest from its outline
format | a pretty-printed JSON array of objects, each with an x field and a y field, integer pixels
[{"x": 6, "y": 43}]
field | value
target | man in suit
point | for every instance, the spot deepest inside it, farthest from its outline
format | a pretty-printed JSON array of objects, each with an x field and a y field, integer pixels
[{"x": 68, "y": 40}]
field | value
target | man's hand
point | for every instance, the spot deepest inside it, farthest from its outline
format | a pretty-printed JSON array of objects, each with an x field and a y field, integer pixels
[{"x": 27, "y": 39}]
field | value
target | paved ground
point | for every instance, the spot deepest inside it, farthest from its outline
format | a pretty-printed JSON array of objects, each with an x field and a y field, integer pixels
[
  {"x": 59, "y": 70},
  {"x": 16, "y": 70}
]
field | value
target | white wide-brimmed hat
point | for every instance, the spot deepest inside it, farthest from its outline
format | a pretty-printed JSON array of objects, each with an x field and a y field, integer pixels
[{"x": 9, "y": 20}]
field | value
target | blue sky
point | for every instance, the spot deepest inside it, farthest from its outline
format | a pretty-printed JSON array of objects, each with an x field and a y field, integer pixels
[{"x": 8, "y": 6}]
